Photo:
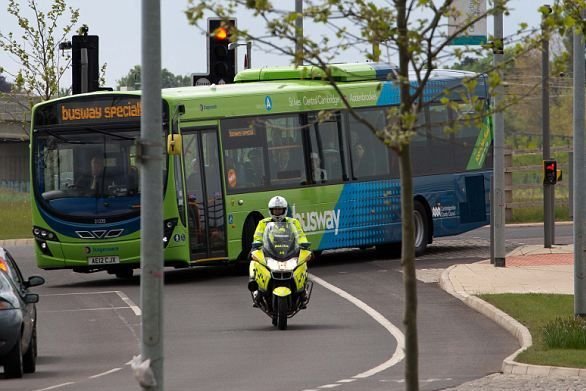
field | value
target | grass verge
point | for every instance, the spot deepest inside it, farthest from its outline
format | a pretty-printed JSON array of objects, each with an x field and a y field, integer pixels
[
  {"x": 539, "y": 312},
  {"x": 15, "y": 215}
]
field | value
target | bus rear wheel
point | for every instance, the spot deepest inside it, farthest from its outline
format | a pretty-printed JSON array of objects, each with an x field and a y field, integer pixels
[{"x": 421, "y": 228}]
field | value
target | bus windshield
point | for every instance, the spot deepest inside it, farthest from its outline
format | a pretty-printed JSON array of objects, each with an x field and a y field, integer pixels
[{"x": 87, "y": 172}]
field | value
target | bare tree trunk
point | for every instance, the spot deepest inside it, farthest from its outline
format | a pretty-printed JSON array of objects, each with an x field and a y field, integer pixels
[
  {"x": 408, "y": 239},
  {"x": 409, "y": 280}
]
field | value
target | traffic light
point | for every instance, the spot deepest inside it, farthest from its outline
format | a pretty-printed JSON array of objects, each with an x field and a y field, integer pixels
[
  {"x": 550, "y": 172},
  {"x": 222, "y": 61},
  {"x": 85, "y": 76}
]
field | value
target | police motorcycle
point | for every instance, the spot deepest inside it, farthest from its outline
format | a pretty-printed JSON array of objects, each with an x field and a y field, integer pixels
[{"x": 279, "y": 283}]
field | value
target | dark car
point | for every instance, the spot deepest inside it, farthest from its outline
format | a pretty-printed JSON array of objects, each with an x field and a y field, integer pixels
[{"x": 18, "y": 319}]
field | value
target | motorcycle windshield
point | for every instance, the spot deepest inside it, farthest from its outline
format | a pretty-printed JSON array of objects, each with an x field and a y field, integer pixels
[{"x": 280, "y": 240}]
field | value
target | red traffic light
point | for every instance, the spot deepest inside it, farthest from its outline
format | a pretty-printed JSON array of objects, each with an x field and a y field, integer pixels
[{"x": 549, "y": 172}]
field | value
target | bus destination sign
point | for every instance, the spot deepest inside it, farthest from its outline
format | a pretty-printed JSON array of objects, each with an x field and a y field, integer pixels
[{"x": 99, "y": 111}]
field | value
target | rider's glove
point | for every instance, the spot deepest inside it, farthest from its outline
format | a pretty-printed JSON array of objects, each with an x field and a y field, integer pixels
[{"x": 305, "y": 245}]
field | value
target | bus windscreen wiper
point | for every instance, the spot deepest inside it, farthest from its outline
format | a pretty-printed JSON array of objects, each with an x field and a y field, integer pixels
[
  {"x": 64, "y": 139},
  {"x": 110, "y": 134}
]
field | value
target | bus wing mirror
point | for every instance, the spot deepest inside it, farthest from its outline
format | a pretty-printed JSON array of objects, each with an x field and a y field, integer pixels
[{"x": 174, "y": 144}]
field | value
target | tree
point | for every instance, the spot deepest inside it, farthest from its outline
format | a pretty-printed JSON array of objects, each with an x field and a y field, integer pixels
[
  {"x": 168, "y": 79},
  {"x": 36, "y": 49},
  {"x": 414, "y": 31}
]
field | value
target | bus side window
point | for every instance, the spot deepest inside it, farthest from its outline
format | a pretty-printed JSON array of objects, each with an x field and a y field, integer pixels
[
  {"x": 325, "y": 149},
  {"x": 440, "y": 148},
  {"x": 287, "y": 163},
  {"x": 370, "y": 156}
]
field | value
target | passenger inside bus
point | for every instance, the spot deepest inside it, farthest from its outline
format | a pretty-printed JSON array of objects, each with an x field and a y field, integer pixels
[
  {"x": 284, "y": 166},
  {"x": 253, "y": 168},
  {"x": 283, "y": 160},
  {"x": 362, "y": 163},
  {"x": 319, "y": 174}
]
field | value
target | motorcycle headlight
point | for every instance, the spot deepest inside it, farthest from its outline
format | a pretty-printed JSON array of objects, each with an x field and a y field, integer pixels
[{"x": 288, "y": 265}]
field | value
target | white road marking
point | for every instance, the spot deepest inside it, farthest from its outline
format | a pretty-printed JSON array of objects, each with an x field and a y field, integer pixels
[
  {"x": 136, "y": 309},
  {"x": 105, "y": 373},
  {"x": 130, "y": 303},
  {"x": 347, "y": 380},
  {"x": 124, "y": 298},
  {"x": 54, "y": 387},
  {"x": 78, "y": 293},
  {"x": 87, "y": 309},
  {"x": 399, "y": 353}
]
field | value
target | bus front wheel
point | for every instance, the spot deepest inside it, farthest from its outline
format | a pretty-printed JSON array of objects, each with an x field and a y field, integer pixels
[
  {"x": 247, "y": 235},
  {"x": 125, "y": 273}
]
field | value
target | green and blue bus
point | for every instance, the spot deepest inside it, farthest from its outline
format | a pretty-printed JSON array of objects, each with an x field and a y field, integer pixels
[{"x": 280, "y": 130}]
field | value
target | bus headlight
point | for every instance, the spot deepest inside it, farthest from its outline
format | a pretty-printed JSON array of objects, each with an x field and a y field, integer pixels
[
  {"x": 168, "y": 227},
  {"x": 43, "y": 235}
]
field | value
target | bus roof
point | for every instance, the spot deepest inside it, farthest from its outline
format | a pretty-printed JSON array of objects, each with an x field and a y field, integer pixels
[{"x": 292, "y": 89}]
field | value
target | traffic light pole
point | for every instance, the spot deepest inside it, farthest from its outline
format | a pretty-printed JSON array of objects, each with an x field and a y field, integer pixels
[
  {"x": 548, "y": 188},
  {"x": 151, "y": 211},
  {"x": 579, "y": 183},
  {"x": 499, "y": 144},
  {"x": 299, "y": 33}
]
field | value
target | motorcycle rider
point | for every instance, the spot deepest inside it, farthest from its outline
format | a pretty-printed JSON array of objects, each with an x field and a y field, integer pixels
[{"x": 278, "y": 213}]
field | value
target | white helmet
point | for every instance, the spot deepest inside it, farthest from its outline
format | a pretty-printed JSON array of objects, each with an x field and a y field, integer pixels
[{"x": 278, "y": 208}]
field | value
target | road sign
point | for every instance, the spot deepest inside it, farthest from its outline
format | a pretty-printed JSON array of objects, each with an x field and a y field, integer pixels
[{"x": 467, "y": 10}]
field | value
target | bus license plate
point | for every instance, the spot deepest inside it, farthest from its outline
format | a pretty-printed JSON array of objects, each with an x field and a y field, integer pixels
[{"x": 106, "y": 260}]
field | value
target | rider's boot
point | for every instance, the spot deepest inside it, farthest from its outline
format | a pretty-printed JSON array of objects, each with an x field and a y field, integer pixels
[
  {"x": 303, "y": 299},
  {"x": 255, "y": 299}
]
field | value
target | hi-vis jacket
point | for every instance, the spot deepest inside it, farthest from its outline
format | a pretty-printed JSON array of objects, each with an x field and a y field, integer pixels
[{"x": 260, "y": 229}]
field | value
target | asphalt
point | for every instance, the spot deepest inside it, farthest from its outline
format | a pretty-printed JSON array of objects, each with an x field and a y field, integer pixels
[{"x": 528, "y": 269}]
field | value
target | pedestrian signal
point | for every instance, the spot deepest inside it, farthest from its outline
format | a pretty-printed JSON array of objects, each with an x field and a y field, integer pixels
[{"x": 550, "y": 172}]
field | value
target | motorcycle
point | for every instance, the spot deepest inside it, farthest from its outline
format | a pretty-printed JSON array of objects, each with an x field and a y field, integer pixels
[{"x": 279, "y": 283}]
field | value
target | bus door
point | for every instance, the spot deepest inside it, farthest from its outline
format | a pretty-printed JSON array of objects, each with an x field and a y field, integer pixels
[{"x": 206, "y": 219}]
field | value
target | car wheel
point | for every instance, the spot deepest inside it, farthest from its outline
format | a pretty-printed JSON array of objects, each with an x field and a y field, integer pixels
[
  {"x": 13, "y": 367},
  {"x": 30, "y": 357}
]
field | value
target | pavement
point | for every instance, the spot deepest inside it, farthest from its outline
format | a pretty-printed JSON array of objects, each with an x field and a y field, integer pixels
[{"x": 528, "y": 269}]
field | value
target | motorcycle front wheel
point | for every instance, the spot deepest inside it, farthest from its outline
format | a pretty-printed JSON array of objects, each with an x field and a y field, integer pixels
[{"x": 281, "y": 312}]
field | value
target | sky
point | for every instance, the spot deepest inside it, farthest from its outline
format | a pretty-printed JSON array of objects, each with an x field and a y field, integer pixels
[{"x": 118, "y": 24}]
